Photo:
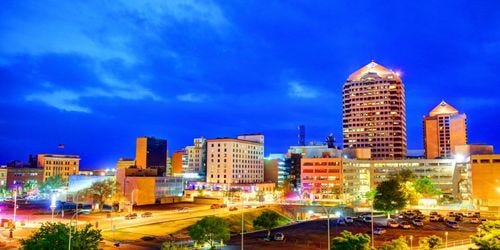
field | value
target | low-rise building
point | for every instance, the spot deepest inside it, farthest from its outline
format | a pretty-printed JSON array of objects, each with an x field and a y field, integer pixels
[
  {"x": 61, "y": 165},
  {"x": 322, "y": 177},
  {"x": 18, "y": 176},
  {"x": 485, "y": 181}
]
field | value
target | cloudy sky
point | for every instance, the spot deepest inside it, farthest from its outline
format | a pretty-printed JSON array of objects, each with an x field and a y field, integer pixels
[{"x": 94, "y": 75}]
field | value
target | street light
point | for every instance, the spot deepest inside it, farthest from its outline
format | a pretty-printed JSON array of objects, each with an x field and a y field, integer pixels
[
  {"x": 70, "y": 227},
  {"x": 411, "y": 242},
  {"x": 15, "y": 206},
  {"x": 53, "y": 205},
  {"x": 446, "y": 239},
  {"x": 242, "y": 214},
  {"x": 327, "y": 211}
]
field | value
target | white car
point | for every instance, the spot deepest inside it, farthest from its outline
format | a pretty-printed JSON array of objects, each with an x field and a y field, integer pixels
[
  {"x": 451, "y": 223},
  {"x": 418, "y": 223},
  {"x": 340, "y": 221},
  {"x": 392, "y": 223},
  {"x": 279, "y": 236},
  {"x": 405, "y": 225},
  {"x": 379, "y": 231},
  {"x": 475, "y": 220},
  {"x": 348, "y": 219}
]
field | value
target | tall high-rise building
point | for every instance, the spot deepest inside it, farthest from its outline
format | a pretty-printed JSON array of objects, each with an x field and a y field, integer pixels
[
  {"x": 151, "y": 152},
  {"x": 231, "y": 161},
  {"x": 374, "y": 113},
  {"x": 444, "y": 129}
]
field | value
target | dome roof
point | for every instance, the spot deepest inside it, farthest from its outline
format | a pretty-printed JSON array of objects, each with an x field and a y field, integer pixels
[
  {"x": 372, "y": 68},
  {"x": 443, "y": 108}
]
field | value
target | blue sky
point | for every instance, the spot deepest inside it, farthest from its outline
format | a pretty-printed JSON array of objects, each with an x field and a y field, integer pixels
[{"x": 94, "y": 75}]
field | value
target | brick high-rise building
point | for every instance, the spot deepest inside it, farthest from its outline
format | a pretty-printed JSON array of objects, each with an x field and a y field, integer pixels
[
  {"x": 444, "y": 129},
  {"x": 374, "y": 113},
  {"x": 151, "y": 152}
]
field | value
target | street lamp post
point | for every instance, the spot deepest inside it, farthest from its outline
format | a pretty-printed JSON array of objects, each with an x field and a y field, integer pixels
[
  {"x": 53, "y": 205},
  {"x": 411, "y": 242},
  {"x": 71, "y": 228},
  {"x": 242, "y": 214},
  {"x": 373, "y": 234},
  {"x": 446, "y": 240},
  {"x": 327, "y": 211},
  {"x": 15, "y": 206}
]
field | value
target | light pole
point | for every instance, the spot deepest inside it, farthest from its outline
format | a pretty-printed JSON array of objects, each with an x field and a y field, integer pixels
[
  {"x": 327, "y": 211},
  {"x": 53, "y": 205},
  {"x": 15, "y": 206},
  {"x": 373, "y": 234},
  {"x": 71, "y": 228},
  {"x": 411, "y": 242},
  {"x": 242, "y": 214},
  {"x": 446, "y": 240}
]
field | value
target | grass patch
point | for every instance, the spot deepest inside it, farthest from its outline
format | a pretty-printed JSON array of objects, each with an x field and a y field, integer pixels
[{"x": 234, "y": 220}]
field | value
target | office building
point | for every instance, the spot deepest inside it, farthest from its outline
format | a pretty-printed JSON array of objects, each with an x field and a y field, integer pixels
[
  {"x": 374, "y": 113},
  {"x": 179, "y": 162},
  {"x": 275, "y": 169},
  {"x": 196, "y": 158},
  {"x": 321, "y": 178},
  {"x": 61, "y": 165},
  {"x": 485, "y": 181},
  {"x": 231, "y": 161},
  {"x": 124, "y": 163},
  {"x": 444, "y": 129},
  {"x": 16, "y": 177},
  {"x": 151, "y": 153}
]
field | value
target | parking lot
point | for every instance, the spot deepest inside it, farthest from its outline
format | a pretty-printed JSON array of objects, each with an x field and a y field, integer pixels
[{"x": 313, "y": 234}]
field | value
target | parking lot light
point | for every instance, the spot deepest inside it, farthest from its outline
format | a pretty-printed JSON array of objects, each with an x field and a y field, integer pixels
[{"x": 446, "y": 240}]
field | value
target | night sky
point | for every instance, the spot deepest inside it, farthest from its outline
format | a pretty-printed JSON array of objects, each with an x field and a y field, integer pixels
[{"x": 94, "y": 75}]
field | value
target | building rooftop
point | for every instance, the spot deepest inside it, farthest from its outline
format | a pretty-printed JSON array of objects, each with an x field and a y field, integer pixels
[
  {"x": 372, "y": 68},
  {"x": 443, "y": 108}
]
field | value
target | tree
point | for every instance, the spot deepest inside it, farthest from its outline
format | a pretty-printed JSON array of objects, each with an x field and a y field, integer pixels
[
  {"x": 52, "y": 183},
  {"x": 267, "y": 220},
  {"x": 429, "y": 243},
  {"x": 30, "y": 185},
  {"x": 101, "y": 191},
  {"x": 4, "y": 192},
  {"x": 349, "y": 241},
  {"x": 397, "y": 244},
  {"x": 209, "y": 230},
  {"x": 426, "y": 188},
  {"x": 56, "y": 236},
  {"x": 389, "y": 197},
  {"x": 488, "y": 236},
  {"x": 403, "y": 175}
]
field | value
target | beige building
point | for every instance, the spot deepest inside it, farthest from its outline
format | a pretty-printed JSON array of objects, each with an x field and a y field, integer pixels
[
  {"x": 374, "y": 114},
  {"x": 444, "y": 129},
  {"x": 195, "y": 157},
  {"x": 124, "y": 163},
  {"x": 231, "y": 161},
  {"x": 63, "y": 165},
  {"x": 485, "y": 181}
]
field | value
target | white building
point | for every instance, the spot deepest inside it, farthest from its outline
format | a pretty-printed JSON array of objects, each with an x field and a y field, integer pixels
[{"x": 231, "y": 161}]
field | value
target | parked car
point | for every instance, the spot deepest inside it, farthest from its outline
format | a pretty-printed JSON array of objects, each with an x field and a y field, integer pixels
[
  {"x": 130, "y": 216},
  {"x": 451, "y": 214},
  {"x": 474, "y": 220},
  {"x": 340, "y": 221},
  {"x": 392, "y": 223},
  {"x": 418, "y": 223},
  {"x": 348, "y": 219},
  {"x": 379, "y": 231},
  {"x": 279, "y": 236},
  {"x": 451, "y": 223},
  {"x": 436, "y": 218},
  {"x": 214, "y": 206},
  {"x": 433, "y": 213},
  {"x": 233, "y": 208},
  {"x": 146, "y": 214},
  {"x": 405, "y": 225},
  {"x": 223, "y": 205},
  {"x": 183, "y": 210},
  {"x": 367, "y": 219}
]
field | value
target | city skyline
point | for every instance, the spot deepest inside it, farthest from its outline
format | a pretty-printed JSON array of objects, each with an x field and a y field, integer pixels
[{"x": 98, "y": 80}]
